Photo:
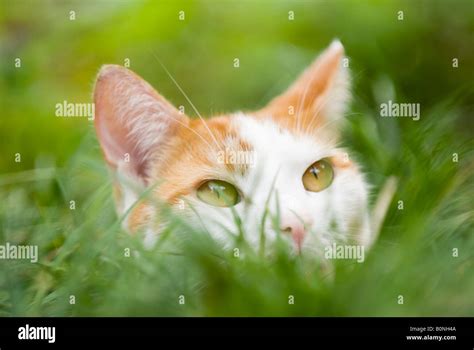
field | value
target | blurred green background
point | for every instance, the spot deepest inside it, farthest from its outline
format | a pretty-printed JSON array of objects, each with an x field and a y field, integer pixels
[{"x": 82, "y": 250}]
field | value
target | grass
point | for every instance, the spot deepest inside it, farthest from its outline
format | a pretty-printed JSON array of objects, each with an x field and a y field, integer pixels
[
  {"x": 85, "y": 257},
  {"x": 84, "y": 253}
]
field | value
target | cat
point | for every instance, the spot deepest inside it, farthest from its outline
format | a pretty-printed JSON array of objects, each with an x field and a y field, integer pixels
[{"x": 293, "y": 169}]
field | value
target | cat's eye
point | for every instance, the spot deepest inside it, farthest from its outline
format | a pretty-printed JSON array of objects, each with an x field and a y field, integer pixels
[
  {"x": 218, "y": 193},
  {"x": 318, "y": 176}
]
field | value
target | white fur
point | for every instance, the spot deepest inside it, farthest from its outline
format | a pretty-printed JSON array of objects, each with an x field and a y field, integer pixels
[{"x": 282, "y": 158}]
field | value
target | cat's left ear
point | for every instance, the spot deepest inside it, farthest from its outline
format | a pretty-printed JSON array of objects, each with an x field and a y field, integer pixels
[
  {"x": 322, "y": 90},
  {"x": 134, "y": 123}
]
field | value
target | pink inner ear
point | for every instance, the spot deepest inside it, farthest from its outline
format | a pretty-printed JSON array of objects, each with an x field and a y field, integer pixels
[
  {"x": 317, "y": 79},
  {"x": 131, "y": 118},
  {"x": 313, "y": 84},
  {"x": 113, "y": 89}
]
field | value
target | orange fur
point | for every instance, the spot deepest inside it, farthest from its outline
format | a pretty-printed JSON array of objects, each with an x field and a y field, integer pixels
[
  {"x": 191, "y": 159},
  {"x": 307, "y": 97},
  {"x": 189, "y": 155}
]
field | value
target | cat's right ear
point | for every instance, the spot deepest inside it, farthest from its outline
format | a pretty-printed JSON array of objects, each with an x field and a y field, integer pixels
[
  {"x": 133, "y": 122},
  {"x": 321, "y": 92}
]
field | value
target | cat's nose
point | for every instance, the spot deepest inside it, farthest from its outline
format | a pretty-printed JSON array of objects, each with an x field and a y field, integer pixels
[{"x": 296, "y": 229}]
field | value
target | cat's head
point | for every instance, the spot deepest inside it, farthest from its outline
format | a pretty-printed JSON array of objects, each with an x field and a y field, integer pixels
[{"x": 278, "y": 164}]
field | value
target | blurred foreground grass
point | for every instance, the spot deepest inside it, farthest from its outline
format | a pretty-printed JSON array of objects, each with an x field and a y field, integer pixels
[{"x": 83, "y": 253}]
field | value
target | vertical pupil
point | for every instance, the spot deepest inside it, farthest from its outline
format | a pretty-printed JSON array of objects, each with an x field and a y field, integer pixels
[
  {"x": 216, "y": 189},
  {"x": 315, "y": 171}
]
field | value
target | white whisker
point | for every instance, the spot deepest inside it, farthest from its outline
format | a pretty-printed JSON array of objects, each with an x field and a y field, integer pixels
[{"x": 187, "y": 99}]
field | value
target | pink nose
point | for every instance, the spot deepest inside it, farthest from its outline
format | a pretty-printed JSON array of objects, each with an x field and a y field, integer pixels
[{"x": 297, "y": 230}]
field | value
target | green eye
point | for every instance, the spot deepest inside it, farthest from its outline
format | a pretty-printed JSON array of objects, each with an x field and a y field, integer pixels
[
  {"x": 218, "y": 193},
  {"x": 318, "y": 176}
]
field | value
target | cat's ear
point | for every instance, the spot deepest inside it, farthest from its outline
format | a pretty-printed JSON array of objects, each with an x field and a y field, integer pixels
[
  {"x": 133, "y": 122},
  {"x": 321, "y": 90}
]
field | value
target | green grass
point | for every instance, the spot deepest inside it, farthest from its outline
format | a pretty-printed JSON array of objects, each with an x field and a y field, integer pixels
[{"x": 83, "y": 252}]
